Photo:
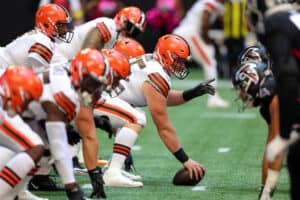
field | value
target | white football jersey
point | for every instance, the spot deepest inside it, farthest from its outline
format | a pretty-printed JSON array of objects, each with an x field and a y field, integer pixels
[
  {"x": 31, "y": 45},
  {"x": 58, "y": 91},
  {"x": 144, "y": 68},
  {"x": 107, "y": 27},
  {"x": 191, "y": 23}
]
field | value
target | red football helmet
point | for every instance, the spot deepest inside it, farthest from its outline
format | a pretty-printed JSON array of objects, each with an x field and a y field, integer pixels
[
  {"x": 172, "y": 51},
  {"x": 131, "y": 20},
  {"x": 20, "y": 85},
  {"x": 53, "y": 20},
  {"x": 129, "y": 47},
  {"x": 119, "y": 65},
  {"x": 90, "y": 73}
]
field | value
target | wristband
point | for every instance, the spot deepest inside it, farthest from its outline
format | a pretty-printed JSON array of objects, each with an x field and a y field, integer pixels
[
  {"x": 92, "y": 172},
  {"x": 188, "y": 95},
  {"x": 181, "y": 155}
]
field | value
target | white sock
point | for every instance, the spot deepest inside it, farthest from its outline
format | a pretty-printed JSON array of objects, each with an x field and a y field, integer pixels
[
  {"x": 14, "y": 171},
  {"x": 65, "y": 170},
  {"x": 124, "y": 141},
  {"x": 272, "y": 179}
]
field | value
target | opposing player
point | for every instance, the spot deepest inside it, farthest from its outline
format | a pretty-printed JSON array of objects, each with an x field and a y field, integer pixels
[
  {"x": 149, "y": 85},
  {"x": 204, "y": 12},
  {"x": 36, "y": 48},
  {"x": 102, "y": 32},
  {"x": 19, "y": 86}
]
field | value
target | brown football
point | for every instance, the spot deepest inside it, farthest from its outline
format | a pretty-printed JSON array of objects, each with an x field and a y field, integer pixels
[{"x": 182, "y": 178}]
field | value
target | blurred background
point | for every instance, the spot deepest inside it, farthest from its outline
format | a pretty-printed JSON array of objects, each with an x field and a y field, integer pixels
[{"x": 17, "y": 17}]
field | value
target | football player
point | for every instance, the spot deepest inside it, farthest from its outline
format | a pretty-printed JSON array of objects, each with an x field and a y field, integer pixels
[
  {"x": 102, "y": 32},
  {"x": 281, "y": 38},
  {"x": 91, "y": 73},
  {"x": 255, "y": 83},
  {"x": 204, "y": 13},
  {"x": 19, "y": 86},
  {"x": 149, "y": 85},
  {"x": 36, "y": 48}
]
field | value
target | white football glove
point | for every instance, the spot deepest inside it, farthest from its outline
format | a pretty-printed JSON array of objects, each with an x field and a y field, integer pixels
[{"x": 276, "y": 147}]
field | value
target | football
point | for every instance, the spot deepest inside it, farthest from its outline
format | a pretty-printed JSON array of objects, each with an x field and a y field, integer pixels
[{"x": 182, "y": 178}]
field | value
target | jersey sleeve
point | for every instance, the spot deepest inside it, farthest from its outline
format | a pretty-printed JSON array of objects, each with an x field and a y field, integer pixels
[
  {"x": 159, "y": 83},
  {"x": 40, "y": 52},
  {"x": 103, "y": 29}
]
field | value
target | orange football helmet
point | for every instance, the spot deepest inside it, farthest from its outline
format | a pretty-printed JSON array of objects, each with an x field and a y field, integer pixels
[
  {"x": 54, "y": 20},
  {"x": 119, "y": 65},
  {"x": 172, "y": 51},
  {"x": 131, "y": 20},
  {"x": 90, "y": 73},
  {"x": 129, "y": 47},
  {"x": 20, "y": 85}
]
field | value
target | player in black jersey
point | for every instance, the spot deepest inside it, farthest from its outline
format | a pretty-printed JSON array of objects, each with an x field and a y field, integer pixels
[
  {"x": 255, "y": 83},
  {"x": 281, "y": 37}
]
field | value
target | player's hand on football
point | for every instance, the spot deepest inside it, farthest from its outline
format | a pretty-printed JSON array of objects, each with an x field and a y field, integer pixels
[
  {"x": 103, "y": 123},
  {"x": 97, "y": 183},
  {"x": 196, "y": 170}
]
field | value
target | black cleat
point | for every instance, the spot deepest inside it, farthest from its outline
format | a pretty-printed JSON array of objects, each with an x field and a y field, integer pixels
[
  {"x": 44, "y": 183},
  {"x": 76, "y": 193}
]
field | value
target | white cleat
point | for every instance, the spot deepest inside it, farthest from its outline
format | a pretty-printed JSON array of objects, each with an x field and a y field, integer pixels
[
  {"x": 25, "y": 194},
  {"x": 114, "y": 178},
  {"x": 217, "y": 102},
  {"x": 131, "y": 176}
]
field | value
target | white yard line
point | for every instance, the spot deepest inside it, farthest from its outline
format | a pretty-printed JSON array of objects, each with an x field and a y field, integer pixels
[
  {"x": 191, "y": 83},
  {"x": 228, "y": 115},
  {"x": 199, "y": 188}
]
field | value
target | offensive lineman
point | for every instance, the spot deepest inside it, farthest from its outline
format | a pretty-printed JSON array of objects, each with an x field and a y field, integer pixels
[{"x": 149, "y": 85}]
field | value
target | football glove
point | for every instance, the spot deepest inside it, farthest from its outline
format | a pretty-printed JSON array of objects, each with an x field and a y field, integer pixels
[
  {"x": 103, "y": 123},
  {"x": 199, "y": 90},
  {"x": 73, "y": 136},
  {"x": 97, "y": 183}
]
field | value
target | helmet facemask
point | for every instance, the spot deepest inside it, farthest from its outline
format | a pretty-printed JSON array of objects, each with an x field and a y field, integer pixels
[
  {"x": 247, "y": 82},
  {"x": 64, "y": 31},
  {"x": 178, "y": 68}
]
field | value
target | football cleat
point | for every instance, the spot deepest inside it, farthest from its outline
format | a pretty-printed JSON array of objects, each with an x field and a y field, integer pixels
[
  {"x": 44, "y": 183},
  {"x": 24, "y": 194},
  {"x": 113, "y": 178},
  {"x": 131, "y": 176}
]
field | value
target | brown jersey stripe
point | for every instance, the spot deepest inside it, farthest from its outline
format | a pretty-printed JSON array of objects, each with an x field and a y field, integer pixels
[
  {"x": 7, "y": 179},
  {"x": 33, "y": 171},
  {"x": 121, "y": 149},
  {"x": 64, "y": 102},
  {"x": 160, "y": 83},
  {"x": 10, "y": 173},
  {"x": 16, "y": 135},
  {"x": 42, "y": 50},
  {"x": 115, "y": 110},
  {"x": 104, "y": 31}
]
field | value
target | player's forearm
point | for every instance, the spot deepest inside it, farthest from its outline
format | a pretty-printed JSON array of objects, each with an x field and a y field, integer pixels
[
  {"x": 90, "y": 152},
  {"x": 170, "y": 139},
  {"x": 175, "y": 98}
]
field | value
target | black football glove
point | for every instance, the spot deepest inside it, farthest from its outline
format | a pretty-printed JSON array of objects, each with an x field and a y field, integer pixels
[
  {"x": 73, "y": 136},
  {"x": 199, "y": 90},
  {"x": 97, "y": 183},
  {"x": 103, "y": 123}
]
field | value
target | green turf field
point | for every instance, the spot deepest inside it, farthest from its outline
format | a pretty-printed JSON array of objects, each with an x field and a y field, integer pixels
[{"x": 232, "y": 174}]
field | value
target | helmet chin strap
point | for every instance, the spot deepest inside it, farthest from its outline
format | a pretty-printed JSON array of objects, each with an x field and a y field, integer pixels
[{"x": 10, "y": 112}]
